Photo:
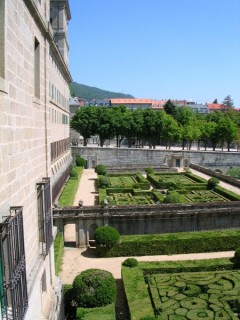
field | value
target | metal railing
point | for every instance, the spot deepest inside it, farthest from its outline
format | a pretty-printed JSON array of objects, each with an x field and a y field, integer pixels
[{"x": 14, "y": 297}]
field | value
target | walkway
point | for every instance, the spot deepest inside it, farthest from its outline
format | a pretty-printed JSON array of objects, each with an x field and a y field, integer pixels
[
  {"x": 87, "y": 188},
  {"x": 222, "y": 184},
  {"x": 77, "y": 260}
]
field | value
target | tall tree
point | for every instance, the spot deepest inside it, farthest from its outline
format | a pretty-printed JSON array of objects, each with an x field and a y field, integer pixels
[
  {"x": 105, "y": 124},
  {"x": 85, "y": 122},
  {"x": 170, "y": 107},
  {"x": 228, "y": 102}
]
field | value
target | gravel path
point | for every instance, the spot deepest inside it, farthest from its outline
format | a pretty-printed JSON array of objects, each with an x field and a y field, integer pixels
[
  {"x": 77, "y": 260},
  {"x": 87, "y": 191}
]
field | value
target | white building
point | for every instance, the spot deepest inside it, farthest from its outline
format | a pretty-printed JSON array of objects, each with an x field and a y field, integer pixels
[{"x": 35, "y": 152}]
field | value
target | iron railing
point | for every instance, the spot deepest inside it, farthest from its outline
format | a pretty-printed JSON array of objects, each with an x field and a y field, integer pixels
[
  {"x": 44, "y": 215},
  {"x": 14, "y": 297}
]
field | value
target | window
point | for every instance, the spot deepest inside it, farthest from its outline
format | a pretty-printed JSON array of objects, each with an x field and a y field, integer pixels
[
  {"x": 37, "y": 69},
  {"x": 13, "y": 289},
  {"x": 44, "y": 216}
]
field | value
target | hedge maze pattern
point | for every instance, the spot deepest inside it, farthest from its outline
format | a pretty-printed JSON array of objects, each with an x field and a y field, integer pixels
[
  {"x": 196, "y": 296},
  {"x": 204, "y": 196},
  {"x": 129, "y": 198}
]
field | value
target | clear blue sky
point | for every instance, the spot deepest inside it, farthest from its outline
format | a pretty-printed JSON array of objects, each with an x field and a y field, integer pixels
[{"x": 158, "y": 49}]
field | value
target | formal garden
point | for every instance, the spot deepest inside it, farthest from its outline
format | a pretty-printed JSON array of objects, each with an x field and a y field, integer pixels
[
  {"x": 179, "y": 290},
  {"x": 157, "y": 188}
]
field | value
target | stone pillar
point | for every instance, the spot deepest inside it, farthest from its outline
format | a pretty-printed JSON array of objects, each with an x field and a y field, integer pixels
[{"x": 81, "y": 233}]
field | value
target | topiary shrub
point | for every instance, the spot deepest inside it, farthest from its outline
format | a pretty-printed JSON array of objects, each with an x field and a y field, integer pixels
[
  {"x": 149, "y": 170},
  {"x": 100, "y": 169},
  {"x": 174, "y": 197},
  {"x": 73, "y": 173},
  {"x": 106, "y": 236},
  {"x": 94, "y": 288},
  {"x": 237, "y": 256},
  {"x": 80, "y": 162},
  {"x": 130, "y": 262},
  {"x": 212, "y": 183},
  {"x": 104, "y": 182}
]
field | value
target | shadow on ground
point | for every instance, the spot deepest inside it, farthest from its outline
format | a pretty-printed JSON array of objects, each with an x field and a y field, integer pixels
[
  {"x": 89, "y": 253},
  {"x": 121, "y": 309}
]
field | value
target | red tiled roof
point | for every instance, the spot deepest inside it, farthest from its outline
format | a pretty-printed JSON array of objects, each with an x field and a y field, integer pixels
[
  {"x": 215, "y": 106},
  {"x": 131, "y": 101}
]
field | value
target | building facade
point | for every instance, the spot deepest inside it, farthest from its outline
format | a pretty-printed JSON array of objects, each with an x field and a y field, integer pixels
[{"x": 35, "y": 154}]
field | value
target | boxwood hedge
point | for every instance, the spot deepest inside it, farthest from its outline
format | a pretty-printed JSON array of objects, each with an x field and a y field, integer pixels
[{"x": 175, "y": 243}]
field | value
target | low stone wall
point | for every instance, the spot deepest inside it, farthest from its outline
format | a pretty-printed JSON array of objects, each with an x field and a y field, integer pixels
[
  {"x": 215, "y": 174},
  {"x": 163, "y": 218},
  {"x": 130, "y": 157}
]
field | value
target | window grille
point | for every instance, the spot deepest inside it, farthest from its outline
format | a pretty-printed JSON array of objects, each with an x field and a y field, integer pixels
[
  {"x": 44, "y": 215},
  {"x": 13, "y": 284}
]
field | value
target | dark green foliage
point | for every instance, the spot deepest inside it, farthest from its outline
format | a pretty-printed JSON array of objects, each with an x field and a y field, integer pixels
[
  {"x": 74, "y": 173},
  {"x": 149, "y": 170},
  {"x": 94, "y": 288},
  {"x": 80, "y": 162},
  {"x": 130, "y": 262},
  {"x": 136, "y": 186},
  {"x": 174, "y": 197},
  {"x": 103, "y": 182},
  {"x": 237, "y": 256},
  {"x": 212, "y": 183},
  {"x": 106, "y": 236},
  {"x": 148, "y": 318},
  {"x": 58, "y": 251},
  {"x": 88, "y": 93},
  {"x": 69, "y": 302},
  {"x": 234, "y": 172},
  {"x": 100, "y": 169},
  {"x": 176, "y": 243}
]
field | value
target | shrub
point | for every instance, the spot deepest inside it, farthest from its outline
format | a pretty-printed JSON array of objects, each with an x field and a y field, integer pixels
[
  {"x": 94, "y": 288},
  {"x": 174, "y": 197},
  {"x": 106, "y": 236},
  {"x": 237, "y": 256},
  {"x": 149, "y": 170},
  {"x": 73, "y": 173},
  {"x": 212, "y": 183},
  {"x": 58, "y": 251},
  {"x": 104, "y": 182},
  {"x": 101, "y": 169},
  {"x": 80, "y": 162},
  {"x": 136, "y": 186},
  {"x": 148, "y": 318},
  {"x": 130, "y": 262}
]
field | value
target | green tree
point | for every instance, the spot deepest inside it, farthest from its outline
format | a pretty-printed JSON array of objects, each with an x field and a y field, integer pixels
[
  {"x": 105, "y": 124},
  {"x": 227, "y": 131},
  {"x": 227, "y": 102},
  {"x": 119, "y": 123},
  {"x": 170, "y": 107},
  {"x": 171, "y": 131},
  {"x": 84, "y": 122}
]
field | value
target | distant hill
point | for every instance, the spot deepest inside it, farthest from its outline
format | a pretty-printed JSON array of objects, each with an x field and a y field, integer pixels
[{"x": 88, "y": 93}]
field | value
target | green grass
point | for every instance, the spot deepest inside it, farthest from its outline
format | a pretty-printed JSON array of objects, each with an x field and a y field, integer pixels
[
  {"x": 58, "y": 252},
  {"x": 68, "y": 194},
  {"x": 101, "y": 313}
]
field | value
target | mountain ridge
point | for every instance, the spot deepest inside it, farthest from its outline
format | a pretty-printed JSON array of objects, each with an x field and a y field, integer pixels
[{"x": 88, "y": 93}]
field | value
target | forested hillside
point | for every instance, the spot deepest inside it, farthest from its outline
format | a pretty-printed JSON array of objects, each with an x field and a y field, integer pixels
[{"x": 89, "y": 93}]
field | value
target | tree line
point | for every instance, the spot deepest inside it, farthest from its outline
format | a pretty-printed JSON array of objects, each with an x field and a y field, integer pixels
[{"x": 152, "y": 127}]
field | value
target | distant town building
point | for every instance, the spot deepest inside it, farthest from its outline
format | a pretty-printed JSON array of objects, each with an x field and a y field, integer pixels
[{"x": 132, "y": 103}]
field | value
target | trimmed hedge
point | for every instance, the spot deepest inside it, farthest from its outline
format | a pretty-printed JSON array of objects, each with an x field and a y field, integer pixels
[
  {"x": 227, "y": 193},
  {"x": 100, "y": 313},
  {"x": 68, "y": 194},
  {"x": 175, "y": 243},
  {"x": 58, "y": 251},
  {"x": 138, "y": 299},
  {"x": 106, "y": 236}
]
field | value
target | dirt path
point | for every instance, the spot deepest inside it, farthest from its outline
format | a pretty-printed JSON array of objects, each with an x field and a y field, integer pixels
[
  {"x": 77, "y": 260},
  {"x": 87, "y": 188},
  {"x": 222, "y": 184}
]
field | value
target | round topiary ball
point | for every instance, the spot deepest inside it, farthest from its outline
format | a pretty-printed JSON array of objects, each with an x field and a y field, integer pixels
[
  {"x": 130, "y": 262},
  {"x": 106, "y": 236},
  {"x": 94, "y": 288},
  {"x": 100, "y": 169},
  {"x": 80, "y": 162},
  {"x": 212, "y": 183},
  {"x": 174, "y": 197},
  {"x": 73, "y": 173}
]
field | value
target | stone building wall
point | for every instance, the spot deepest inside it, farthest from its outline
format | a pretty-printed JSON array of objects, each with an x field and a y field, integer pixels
[{"x": 26, "y": 132}]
